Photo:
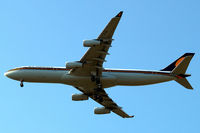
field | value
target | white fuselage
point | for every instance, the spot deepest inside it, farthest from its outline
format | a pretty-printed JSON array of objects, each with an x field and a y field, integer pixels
[{"x": 110, "y": 77}]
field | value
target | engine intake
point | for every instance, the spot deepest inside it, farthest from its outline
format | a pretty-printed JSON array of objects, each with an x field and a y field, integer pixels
[
  {"x": 75, "y": 64},
  {"x": 90, "y": 43},
  {"x": 101, "y": 110},
  {"x": 79, "y": 97}
]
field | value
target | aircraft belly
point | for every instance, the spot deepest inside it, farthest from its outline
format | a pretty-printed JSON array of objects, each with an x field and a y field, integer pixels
[
  {"x": 85, "y": 81},
  {"x": 141, "y": 78},
  {"x": 77, "y": 81},
  {"x": 108, "y": 80}
]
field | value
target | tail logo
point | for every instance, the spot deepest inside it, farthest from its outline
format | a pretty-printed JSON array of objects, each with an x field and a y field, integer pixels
[{"x": 179, "y": 61}]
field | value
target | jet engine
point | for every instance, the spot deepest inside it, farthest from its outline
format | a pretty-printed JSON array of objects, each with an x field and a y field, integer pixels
[
  {"x": 90, "y": 43},
  {"x": 75, "y": 64},
  {"x": 79, "y": 97},
  {"x": 101, "y": 110}
]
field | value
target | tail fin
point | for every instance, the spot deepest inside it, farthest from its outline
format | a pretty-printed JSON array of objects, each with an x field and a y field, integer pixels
[{"x": 179, "y": 68}]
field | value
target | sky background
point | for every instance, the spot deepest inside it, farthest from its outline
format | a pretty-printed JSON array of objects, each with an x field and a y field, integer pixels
[{"x": 150, "y": 35}]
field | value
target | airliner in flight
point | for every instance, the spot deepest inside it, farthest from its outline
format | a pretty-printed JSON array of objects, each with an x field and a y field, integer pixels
[{"x": 90, "y": 78}]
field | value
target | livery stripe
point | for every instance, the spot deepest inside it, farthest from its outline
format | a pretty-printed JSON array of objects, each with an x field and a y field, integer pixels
[{"x": 106, "y": 70}]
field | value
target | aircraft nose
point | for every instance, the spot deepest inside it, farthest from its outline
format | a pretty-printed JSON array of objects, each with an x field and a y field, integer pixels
[
  {"x": 13, "y": 74},
  {"x": 10, "y": 74}
]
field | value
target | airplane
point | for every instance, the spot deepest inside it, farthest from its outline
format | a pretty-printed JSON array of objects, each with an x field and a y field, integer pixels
[{"x": 90, "y": 78}]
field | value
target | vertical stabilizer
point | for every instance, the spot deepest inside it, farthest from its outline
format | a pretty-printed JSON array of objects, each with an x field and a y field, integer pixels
[{"x": 183, "y": 61}]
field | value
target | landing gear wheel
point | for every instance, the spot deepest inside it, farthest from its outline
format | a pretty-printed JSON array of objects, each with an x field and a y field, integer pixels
[
  {"x": 22, "y": 84},
  {"x": 96, "y": 90},
  {"x": 92, "y": 78},
  {"x": 97, "y": 80},
  {"x": 99, "y": 86}
]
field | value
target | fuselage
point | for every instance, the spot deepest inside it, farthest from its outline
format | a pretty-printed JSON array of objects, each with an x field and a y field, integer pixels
[{"x": 110, "y": 77}]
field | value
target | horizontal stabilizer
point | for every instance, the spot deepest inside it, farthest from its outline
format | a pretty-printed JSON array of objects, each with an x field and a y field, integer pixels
[{"x": 185, "y": 83}]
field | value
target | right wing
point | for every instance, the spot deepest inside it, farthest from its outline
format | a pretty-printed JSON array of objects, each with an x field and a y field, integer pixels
[
  {"x": 107, "y": 102},
  {"x": 95, "y": 56}
]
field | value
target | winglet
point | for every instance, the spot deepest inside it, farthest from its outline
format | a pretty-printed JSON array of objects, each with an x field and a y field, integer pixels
[
  {"x": 109, "y": 30},
  {"x": 131, "y": 116},
  {"x": 119, "y": 14}
]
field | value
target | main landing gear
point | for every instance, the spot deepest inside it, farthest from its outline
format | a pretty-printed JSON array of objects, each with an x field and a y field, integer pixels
[
  {"x": 22, "y": 83},
  {"x": 98, "y": 82},
  {"x": 98, "y": 88}
]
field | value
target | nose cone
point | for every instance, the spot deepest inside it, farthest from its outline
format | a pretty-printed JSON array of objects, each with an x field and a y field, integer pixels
[
  {"x": 8, "y": 74},
  {"x": 11, "y": 74}
]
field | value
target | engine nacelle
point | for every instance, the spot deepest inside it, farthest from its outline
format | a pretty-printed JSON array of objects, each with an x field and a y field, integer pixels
[
  {"x": 79, "y": 97},
  {"x": 90, "y": 43},
  {"x": 101, "y": 110},
  {"x": 75, "y": 64}
]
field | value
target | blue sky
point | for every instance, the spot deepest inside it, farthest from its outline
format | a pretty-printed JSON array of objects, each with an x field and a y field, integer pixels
[{"x": 150, "y": 35}]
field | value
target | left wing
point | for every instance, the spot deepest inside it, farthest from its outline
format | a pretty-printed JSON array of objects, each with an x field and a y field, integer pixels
[
  {"x": 95, "y": 56},
  {"x": 102, "y": 98}
]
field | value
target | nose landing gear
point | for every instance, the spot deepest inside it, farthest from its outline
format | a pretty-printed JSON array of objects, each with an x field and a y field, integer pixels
[{"x": 22, "y": 83}]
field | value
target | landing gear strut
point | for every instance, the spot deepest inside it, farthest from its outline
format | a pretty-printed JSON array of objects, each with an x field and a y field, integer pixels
[
  {"x": 22, "y": 83},
  {"x": 98, "y": 82},
  {"x": 97, "y": 90}
]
